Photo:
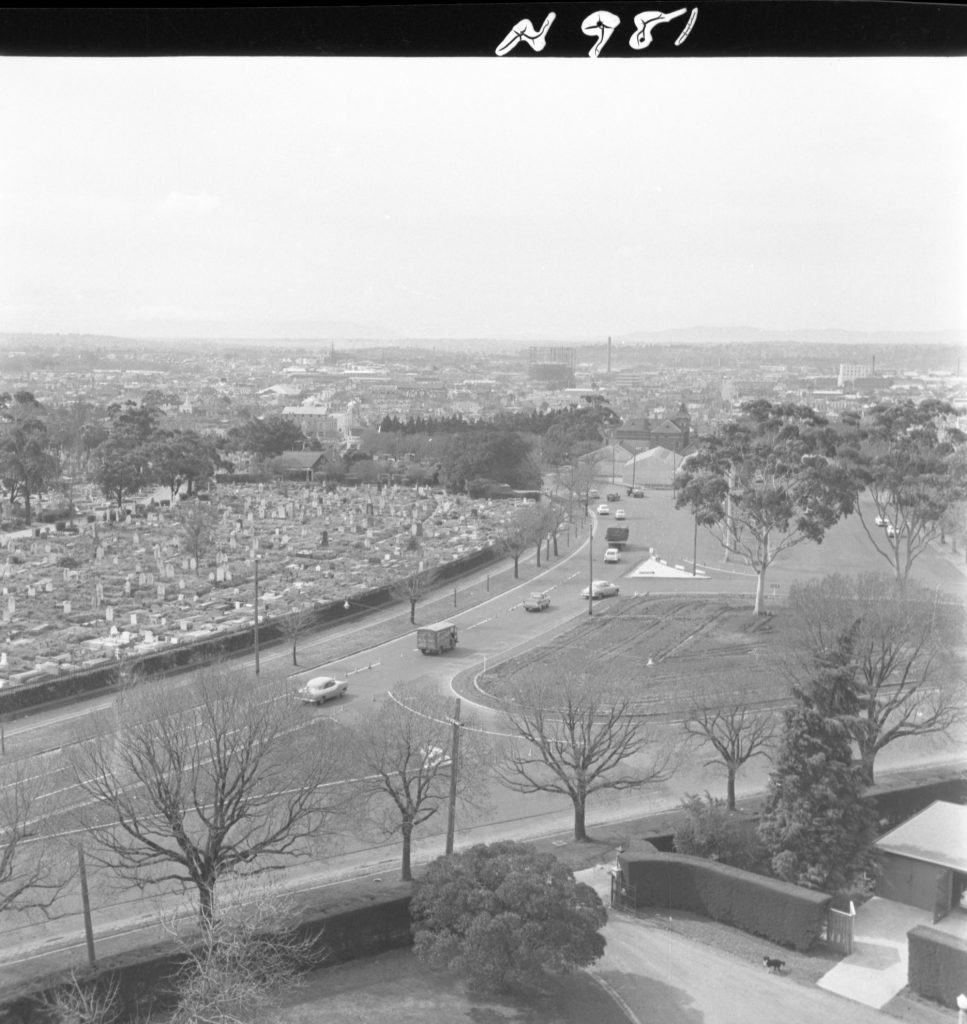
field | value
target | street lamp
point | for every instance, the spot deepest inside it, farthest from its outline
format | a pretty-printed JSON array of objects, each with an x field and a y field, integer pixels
[{"x": 590, "y": 570}]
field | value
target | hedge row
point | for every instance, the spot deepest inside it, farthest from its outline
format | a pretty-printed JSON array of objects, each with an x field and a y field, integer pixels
[
  {"x": 938, "y": 964},
  {"x": 183, "y": 655},
  {"x": 783, "y": 913},
  {"x": 144, "y": 976}
]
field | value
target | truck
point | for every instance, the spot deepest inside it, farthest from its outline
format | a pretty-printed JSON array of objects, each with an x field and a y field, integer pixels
[
  {"x": 616, "y": 536},
  {"x": 437, "y": 638}
]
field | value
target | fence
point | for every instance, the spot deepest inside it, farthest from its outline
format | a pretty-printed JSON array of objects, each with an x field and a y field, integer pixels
[{"x": 839, "y": 930}]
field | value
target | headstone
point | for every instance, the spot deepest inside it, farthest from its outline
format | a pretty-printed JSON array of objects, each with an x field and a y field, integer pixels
[
  {"x": 67, "y": 607},
  {"x": 161, "y": 591},
  {"x": 109, "y": 614}
]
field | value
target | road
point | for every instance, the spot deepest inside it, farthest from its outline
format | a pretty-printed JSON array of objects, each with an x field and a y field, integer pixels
[
  {"x": 490, "y": 629},
  {"x": 660, "y": 976}
]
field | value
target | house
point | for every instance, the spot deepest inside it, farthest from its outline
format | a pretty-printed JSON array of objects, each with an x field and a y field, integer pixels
[
  {"x": 304, "y": 466},
  {"x": 923, "y": 862}
]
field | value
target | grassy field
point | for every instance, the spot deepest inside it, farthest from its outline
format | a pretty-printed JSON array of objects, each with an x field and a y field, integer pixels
[{"x": 701, "y": 649}]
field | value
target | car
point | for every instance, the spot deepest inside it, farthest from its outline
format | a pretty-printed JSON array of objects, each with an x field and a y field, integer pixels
[
  {"x": 322, "y": 688},
  {"x": 434, "y": 757},
  {"x": 604, "y": 510},
  {"x": 612, "y": 555},
  {"x": 893, "y": 531},
  {"x": 882, "y": 521},
  {"x": 638, "y": 492},
  {"x": 593, "y": 493},
  {"x": 613, "y": 496},
  {"x": 537, "y": 601},
  {"x": 619, "y": 513},
  {"x": 600, "y": 588}
]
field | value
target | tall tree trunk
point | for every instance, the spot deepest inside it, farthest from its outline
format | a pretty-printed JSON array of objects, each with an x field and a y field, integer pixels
[
  {"x": 867, "y": 757},
  {"x": 539, "y": 554},
  {"x": 731, "y": 789},
  {"x": 760, "y": 592},
  {"x": 412, "y": 611},
  {"x": 206, "y": 901},
  {"x": 516, "y": 565},
  {"x": 294, "y": 640},
  {"x": 580, "y": 834},
  {"x": 406, "y": 874}
]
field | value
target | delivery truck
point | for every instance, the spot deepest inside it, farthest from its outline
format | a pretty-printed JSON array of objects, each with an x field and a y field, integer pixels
[{"x": 441, "y": 636}]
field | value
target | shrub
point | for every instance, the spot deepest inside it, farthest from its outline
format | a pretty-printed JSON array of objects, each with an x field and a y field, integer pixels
[
  {"x": 708, "y": 829},
  {"x": 938, "y": 964}
]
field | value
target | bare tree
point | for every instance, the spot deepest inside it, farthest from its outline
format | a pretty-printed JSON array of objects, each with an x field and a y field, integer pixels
[
  {"x": 197, "y": 523},
  {"x": 578, "y": 736},
  {"x": 736, "y": 733},
  {"x": 32, "y": 868},
  {"x": 405, "y": 760},
  {"x": 190, "y": 785},
  {"x": 293, "y": 624},
  {"x": 521, "y": 531},
  {"x": 414, "y": 587},
  {"x": 902, "y": 640},
  {"x": 244, "y": 958},
  {"x": 81, "y": 1000}
]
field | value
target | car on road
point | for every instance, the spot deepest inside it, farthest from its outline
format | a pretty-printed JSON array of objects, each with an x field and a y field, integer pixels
[
  {"x": 593, "y": 494},
  {"x": 537, "y": 601},
  {"x": 619, "y": 513},
  {"x": 600, "y": 588},
  {"x": 613, "y": 496},
  {"x": 604, "y": 510},
  {"x": 882, "y": 521},
  {"x": 637, "y": 492},
  {"x": 893, "y": 531},
  {"x": 322, "y": 688},
  {"x": 612, "y": 555}
]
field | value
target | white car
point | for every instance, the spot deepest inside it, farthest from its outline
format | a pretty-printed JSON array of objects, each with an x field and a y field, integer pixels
[
  {"x": 434, "y": 757},
  {"x": 882, "y": 521},
  {"x": 619, "y": 513},
  {"x": 600, "y": 588},
  {"x": 612, "y": 555},
  {"x": 604, "y": 510},
  {"x": 322, "y": 688}
]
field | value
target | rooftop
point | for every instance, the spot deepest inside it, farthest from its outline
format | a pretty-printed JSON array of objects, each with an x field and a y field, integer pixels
[{"x": 937, "y": 835}]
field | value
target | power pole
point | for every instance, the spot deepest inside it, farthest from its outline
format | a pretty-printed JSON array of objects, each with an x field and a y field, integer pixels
[
  {"x": 454, "y": 768},
  {"x": 86, "y": 905},
  {"x": 590, "y": 570},
  {"x": 255, "y": 558}
]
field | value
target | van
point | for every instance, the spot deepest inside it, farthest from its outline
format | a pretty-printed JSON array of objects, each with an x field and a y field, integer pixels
[{"x": 612, "y": 555}]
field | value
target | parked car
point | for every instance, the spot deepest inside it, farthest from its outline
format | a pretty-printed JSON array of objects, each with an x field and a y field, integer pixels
[
  {"x": 600, "y": 588},
  {"x": 619, "y": 513},
  {"x": 893, "y": 531},
  {"x": 537, "y": 601},
  {"x": 612, "y": 555},
  {"x": 321, "y": 689},
  {"x": 604, "y": 510}
]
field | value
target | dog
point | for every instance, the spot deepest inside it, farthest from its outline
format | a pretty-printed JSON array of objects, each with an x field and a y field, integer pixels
[{"x": 773, "y": 965}]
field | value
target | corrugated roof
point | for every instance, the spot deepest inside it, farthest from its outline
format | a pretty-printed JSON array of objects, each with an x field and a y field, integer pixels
[{"x": 937, "y": 835}]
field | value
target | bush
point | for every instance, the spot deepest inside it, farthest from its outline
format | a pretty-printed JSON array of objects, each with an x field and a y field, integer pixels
[
  {"x": 784, "y": 913},
  {"x": 708, "y": 829}
]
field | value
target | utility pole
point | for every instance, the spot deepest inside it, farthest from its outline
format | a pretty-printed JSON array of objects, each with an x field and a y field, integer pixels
[
  {"x": 590, "y": 570},
  {"x": 695, "y": 545},
  {"x": 454, "y": 768},
  {"x": 255, "y": 558},
  {"x": 86, "y": 905}
]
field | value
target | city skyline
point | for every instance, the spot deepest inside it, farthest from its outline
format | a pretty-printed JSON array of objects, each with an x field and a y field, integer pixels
[{"x": 460, "y": 198}]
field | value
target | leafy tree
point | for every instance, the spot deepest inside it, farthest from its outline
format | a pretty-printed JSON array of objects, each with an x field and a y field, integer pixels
[
  {"x": 181, "y": 457},
  {"x": 911, "y": 461},
  {"x": 121, "y": 467},
  {"x": 501, "y": 455},
  {"x": 135, "y": 423},
  {"x": 197, "y": 526},
  {"x": 266, "y": 437},
  {"x": 767, "y": 482},
  {"x": 27, "y": 462},
  {"x": 578, "y": 736},
  {"x": 505, "y": 914},
  {"x": 404, "y": 757},
  {"x": 736, "y": 733},
  {"x": 816, "y": 825},
  {"x": 902, "y": 639},
  {"x": 414, "y": 587},
  {"x": 188, "y": 786}
]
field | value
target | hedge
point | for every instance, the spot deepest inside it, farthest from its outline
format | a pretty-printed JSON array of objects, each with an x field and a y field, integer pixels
[
  {"x": 143, "y": 975},
  {"x": 938, "y": 964},
  {"x": 783, "y": 913}
]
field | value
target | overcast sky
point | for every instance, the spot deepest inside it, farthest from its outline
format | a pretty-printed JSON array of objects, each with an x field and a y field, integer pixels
[{"x": 521, "y": 198}]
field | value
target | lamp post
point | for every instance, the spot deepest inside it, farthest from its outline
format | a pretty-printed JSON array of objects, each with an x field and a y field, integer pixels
[{"x": 961, "y": 1009}]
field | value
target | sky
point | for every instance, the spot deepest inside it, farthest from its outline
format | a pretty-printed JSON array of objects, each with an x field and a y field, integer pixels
[{"x": 480, "y": 198}]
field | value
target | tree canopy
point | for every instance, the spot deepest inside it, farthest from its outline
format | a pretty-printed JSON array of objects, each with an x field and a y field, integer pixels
[
  {"x": 505, "y": 914},
  {"x": 766, "y": 482}
]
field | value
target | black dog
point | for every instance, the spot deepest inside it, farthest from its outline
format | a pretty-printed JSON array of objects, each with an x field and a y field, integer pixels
[{"x": 773, "y": 965}]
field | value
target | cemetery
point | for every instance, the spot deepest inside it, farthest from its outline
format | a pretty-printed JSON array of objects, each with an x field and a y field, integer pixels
[{"x": 112, "y": 583}]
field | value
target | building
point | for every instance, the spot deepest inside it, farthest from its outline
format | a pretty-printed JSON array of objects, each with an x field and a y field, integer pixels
[
  {"x": 653, "y": 468},
  {"x": 923, "y": 862},
  {"x": 849, "y": 372}
]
